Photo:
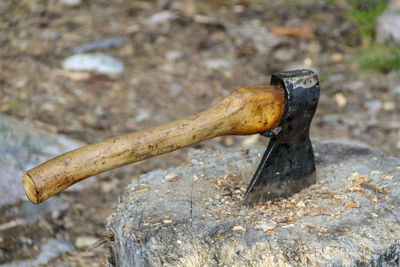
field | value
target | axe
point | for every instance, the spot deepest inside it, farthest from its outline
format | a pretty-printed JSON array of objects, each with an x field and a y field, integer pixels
[{"x": 281, "y": 111}]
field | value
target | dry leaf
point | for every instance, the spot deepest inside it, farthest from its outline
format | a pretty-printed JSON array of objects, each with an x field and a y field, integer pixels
[{"x": 304, "y": 31}]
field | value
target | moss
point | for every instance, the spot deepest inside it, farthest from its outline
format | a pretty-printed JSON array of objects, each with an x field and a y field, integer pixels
[
  {"x": 364, "y": 14},
  {"x": 380, "y": 58}
]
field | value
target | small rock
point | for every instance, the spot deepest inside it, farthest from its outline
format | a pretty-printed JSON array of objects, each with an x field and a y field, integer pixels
[
  {"x": 388, "y": 24},
  {"x": 336, "y": 78},
  {"x": 99, "y": 62},
  {"x": 173, "y": 55},
  {"x": 216, "y": 202},
  {"x": 238, "y": 228},
  {"x": 314, "y": 47},
  {"x": 262, "y": 39},
  {"x": 396, "y": 90},
  {"x": 172, "y": 177},
  {"x": 228, "y": 141},
  {"x": 308, "y": 62},
  {"x": 49, "y": 250},
  {"x": 23, "y": 146},
  {"x": 251, "y": 140},
  {"x": 33, "y": 213},
  {"x": 373, "y": 106},
  {"x": 284, "y": 54},
  {"x": 337, "y": 57},
  {"x": 50, "y": 34},
  {"x": 71, "y": 3},
  {"x": 389, "y": 105},
  {"x": 108, "y": 187},
  {"x": 214, "y": 64},
  {"x": 176, "y": 89},
  {"x": 167, "y": 221},
  {"x": 352, "y": 205},
  {"x": 160, "y": 18},
  {"x": 340, "y": 100},
  {"x": 85, "y": 241},
  {"x": 265, "y": 226},
  {"x": 100, "y": 45}
]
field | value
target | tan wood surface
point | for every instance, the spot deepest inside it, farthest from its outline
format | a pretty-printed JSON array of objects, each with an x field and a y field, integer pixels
[{"x": 248, "y": 110}]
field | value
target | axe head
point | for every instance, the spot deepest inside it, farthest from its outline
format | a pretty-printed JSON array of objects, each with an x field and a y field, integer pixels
[{"x": 288, "y": 164}]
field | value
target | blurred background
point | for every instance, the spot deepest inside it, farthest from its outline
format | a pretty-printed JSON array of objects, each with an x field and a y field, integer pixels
[{"x": 78, "y": 71}]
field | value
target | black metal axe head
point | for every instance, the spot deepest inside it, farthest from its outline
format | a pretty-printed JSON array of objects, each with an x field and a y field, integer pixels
[{"x": 288, "y": 165}]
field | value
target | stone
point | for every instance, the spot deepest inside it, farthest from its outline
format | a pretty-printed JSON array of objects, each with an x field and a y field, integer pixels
[
  {"x": 284, "y": 54},
  {"x": 33, "y": 213},
  {"x": 349, "y": 217},
  {"x": 173, "y": 55},
  {"x": 49, "y": 250},
  {"x": 23, "y": 146},
  {"x": 396, "y": 90},
  {"x": 373, "y": 106},
  {"x": 72, "y": 3},
  {"x": 388, "y": 24},
  {"x": 262, "y": 39},
  {"x": 85, "y": 241},
  {"x": 100, "y": 45},
  {"x": 161, "y": 17},
  {"x": 99, "y": 62},
  {"x": 50, "y": 34},
  {"x": 340, "y": 100},
  {"x": 215, "y": 64}
]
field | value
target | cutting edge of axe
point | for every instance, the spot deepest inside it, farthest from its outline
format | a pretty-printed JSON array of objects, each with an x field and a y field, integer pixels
[{"x": 248, "y": 110}]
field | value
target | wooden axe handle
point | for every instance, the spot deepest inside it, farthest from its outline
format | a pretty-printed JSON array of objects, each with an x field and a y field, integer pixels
[{"x": 248, "y": 110}]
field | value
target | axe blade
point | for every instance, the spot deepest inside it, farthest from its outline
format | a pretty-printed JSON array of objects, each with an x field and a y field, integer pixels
[{"x": 288, "y": 164}]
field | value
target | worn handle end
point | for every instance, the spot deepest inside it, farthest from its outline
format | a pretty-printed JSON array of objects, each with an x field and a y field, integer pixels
[{"x": 30, "y": 188}]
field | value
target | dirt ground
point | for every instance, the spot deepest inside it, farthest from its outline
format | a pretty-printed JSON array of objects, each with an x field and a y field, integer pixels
[{"x": 177, "y": 67}]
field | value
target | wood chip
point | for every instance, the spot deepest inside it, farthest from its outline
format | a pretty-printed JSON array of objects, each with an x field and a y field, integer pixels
[
  {"x": 356, "y": 177},
  {"x": 142, "y": 190},
  {"x": 352, "y": 205},
  {"x": 239, "y": 228},
  {"x": 11, "y": 224},
  {"x": 387, "y": 177},
  {"x": 171, "y": 177},
  {"x": 373, "y": 214},
  {"x": 270, "y": 232}
]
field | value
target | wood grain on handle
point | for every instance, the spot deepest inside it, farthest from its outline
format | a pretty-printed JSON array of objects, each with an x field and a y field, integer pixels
[{"x": 248, "y": 110}]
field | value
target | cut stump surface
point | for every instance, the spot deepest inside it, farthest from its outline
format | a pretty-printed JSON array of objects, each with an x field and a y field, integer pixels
[{"x": 351, "y": 216}]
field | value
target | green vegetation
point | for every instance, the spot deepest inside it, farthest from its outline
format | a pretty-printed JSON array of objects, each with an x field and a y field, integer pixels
[
  {"x": 364, "y": 14},
  {"x": 381, "y": 58}
]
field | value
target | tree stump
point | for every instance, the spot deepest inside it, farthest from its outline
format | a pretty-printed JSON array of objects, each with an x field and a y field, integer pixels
[{"x": 192, "y": 215}]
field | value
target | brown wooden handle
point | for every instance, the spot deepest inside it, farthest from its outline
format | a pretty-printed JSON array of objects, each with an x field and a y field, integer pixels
[{"x": 248, "y": 110}]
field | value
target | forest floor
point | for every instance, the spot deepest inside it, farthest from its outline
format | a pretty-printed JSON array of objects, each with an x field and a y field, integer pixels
[{"x": 180, "y": 57}]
